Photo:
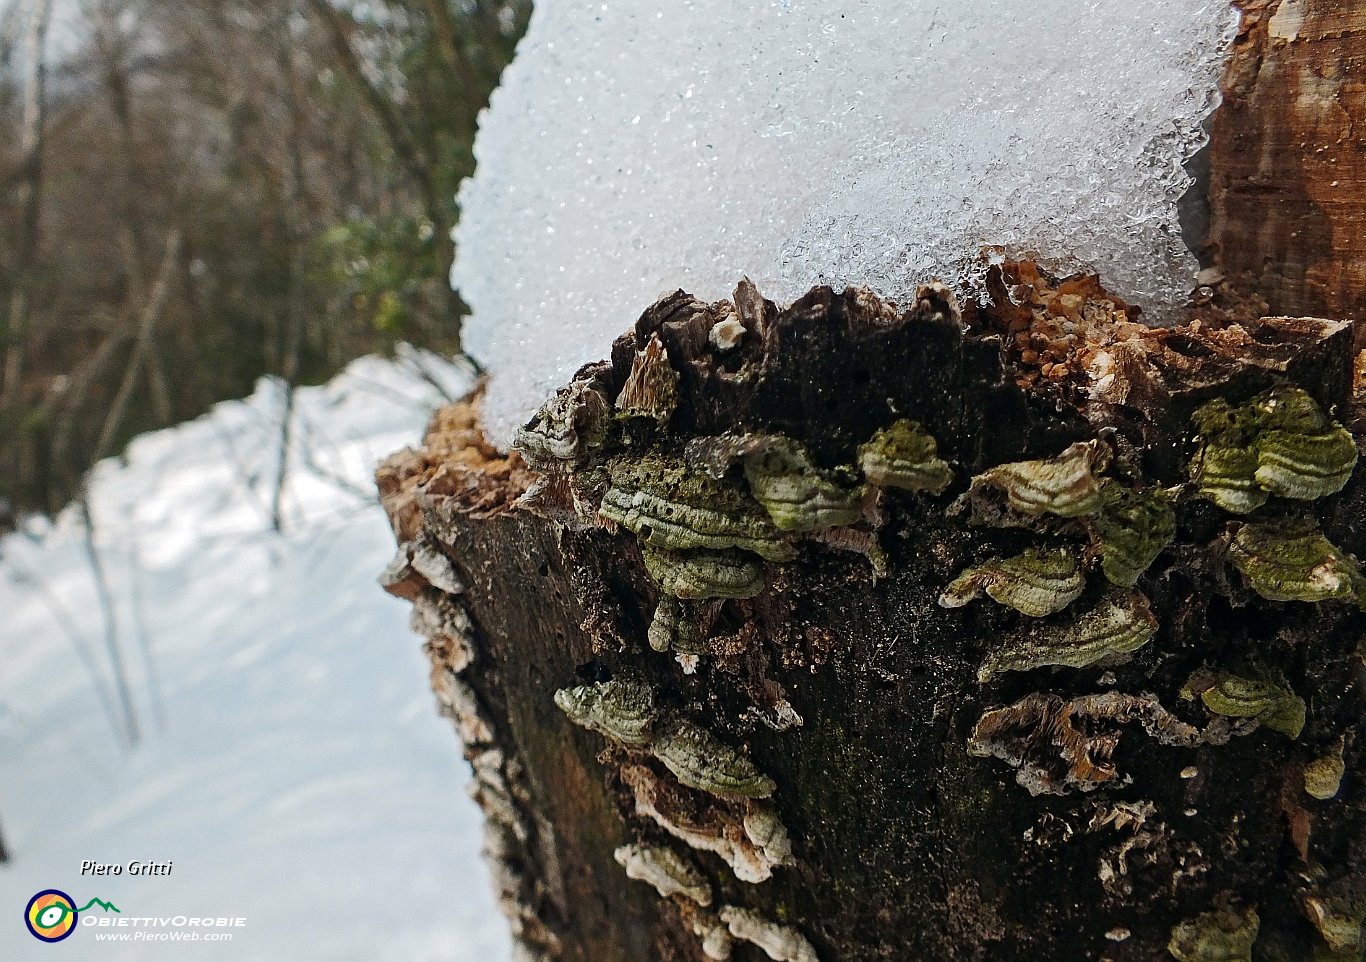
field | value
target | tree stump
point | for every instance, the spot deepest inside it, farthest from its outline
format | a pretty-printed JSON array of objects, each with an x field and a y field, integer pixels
[{"x": 855, "y": 631}]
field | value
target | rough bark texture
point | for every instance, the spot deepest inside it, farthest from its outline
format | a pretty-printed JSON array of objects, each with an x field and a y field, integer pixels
[
  {"x": 1287, "y": 158},
  {"x": 916, "y": 832}
]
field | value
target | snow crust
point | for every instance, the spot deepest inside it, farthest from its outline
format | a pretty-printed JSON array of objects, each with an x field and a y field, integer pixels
[
  {"x": 637, "y": 146},
  {"x": 301, "y": 777}
]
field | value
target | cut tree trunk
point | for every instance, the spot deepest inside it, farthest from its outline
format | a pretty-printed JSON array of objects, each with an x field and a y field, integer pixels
[{"x": 963, "y": 782}]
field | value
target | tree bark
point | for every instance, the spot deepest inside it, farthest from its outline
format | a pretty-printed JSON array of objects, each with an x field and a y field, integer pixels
[
  {"x": 1287, "y": 187},
  {"x": 936, "y": 810}
]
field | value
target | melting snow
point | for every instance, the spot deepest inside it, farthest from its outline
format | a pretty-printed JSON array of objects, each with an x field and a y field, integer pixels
[{"x": 642, "y": 146}]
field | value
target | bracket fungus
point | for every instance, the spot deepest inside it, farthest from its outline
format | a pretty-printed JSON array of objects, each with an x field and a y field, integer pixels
[
  {"x": 715, "y": 455},
  {"x": 669, "y": 872},
  {"x": 651, "y": 389},
  {"x": 904, "y": 455},
  {"x": 1323, "y": 776},
  {"x": 1133, "y": 527},
  {"x": 1227, "y": 476},
  {"x": 706, "y": 824},
  {"x": 699, "y": 760},
  {"x": 1284, "y": 565},
  {"x": 1273, "y": 705},
  {"x": 857, "y": 540},
  {"x": 1107, "y": 633},
  {"x": 1066, "y": 485},
  {"x": 420, "y": 563},
  {"x": 710, "y": 514},
  {"x": 1037, "y": 582},
  {"x": 686, "y": 639},
  {"x": 668, "y": 506},
  {"x": 417, "y": 565},
  {"x": 797, "y": 495},
  {"x": 1339, "y": 924},
  {"x": 767, "y": 831},
  {"x": 567, "y": 428},
  {"x": 1281, "y": 442},
  {"x": 694, "y": 575},
  {"x": 1059, "y": 744},
  {"x": 1223, "y": 935},
  {"x": 1301, "y": 452},
  {"x": 673, "y": 627},
  {"x": 781, "y": 943},
  {"x": 623, "y": 709},
  {"x": 459, "y": 702},
  {"x": 715, "y": 936},
  {"x": 438, "y": 569},
  {"x": 727, "y": 333}
]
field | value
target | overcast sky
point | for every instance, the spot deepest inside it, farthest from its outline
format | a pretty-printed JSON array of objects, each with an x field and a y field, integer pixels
[{"x": 66, "y": 28}]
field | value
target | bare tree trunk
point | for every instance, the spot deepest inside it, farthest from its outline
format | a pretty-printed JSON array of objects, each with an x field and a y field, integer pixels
[
  {"x": 300, "y": 217},
  {"x": 142, "y": 344},
  {"x": 29, "y": 190},
  {"x": 1286, "y": 192},
  {"x": 416, "y": 166},
  {"x": 746, "y": 667},
  {"x": 414, "y": 161},
  {"x": 132, "y": 729},
  {"x": 110, "y": 44}
]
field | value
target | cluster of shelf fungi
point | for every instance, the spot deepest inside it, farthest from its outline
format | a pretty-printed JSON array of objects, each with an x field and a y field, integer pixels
[{"x": 1096, "y": 581}]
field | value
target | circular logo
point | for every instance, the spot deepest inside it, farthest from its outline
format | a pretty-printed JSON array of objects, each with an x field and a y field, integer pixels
[{"x": 50, "y": 915}]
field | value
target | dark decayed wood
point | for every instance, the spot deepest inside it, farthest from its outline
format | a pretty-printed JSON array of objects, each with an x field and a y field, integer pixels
[{"x": 1160, "y": 820}]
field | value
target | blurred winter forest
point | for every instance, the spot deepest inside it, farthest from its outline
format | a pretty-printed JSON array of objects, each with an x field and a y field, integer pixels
[{"x": 194, "y": 193}]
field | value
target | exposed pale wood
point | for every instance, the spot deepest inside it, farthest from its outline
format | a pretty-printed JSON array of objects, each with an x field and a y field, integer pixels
[{"x": 1287, "y": 158}]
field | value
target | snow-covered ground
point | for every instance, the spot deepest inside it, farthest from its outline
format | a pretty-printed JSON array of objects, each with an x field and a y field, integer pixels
[{"x": 292, "y": 767}]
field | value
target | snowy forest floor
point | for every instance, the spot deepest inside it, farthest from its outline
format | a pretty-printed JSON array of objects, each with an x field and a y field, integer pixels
[{"x": 292, "y": 765}]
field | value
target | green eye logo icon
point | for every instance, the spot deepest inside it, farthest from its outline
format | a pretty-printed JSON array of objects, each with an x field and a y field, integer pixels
[{"x": 50, "y": 915}]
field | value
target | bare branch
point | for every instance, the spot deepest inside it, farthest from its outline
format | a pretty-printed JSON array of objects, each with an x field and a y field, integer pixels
[
  {"x": 151, "y": 312},
  {"x": 339, "y": 27},
  {"x": 72, "y": 632},
  {"x": 111, "y": 627}
]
